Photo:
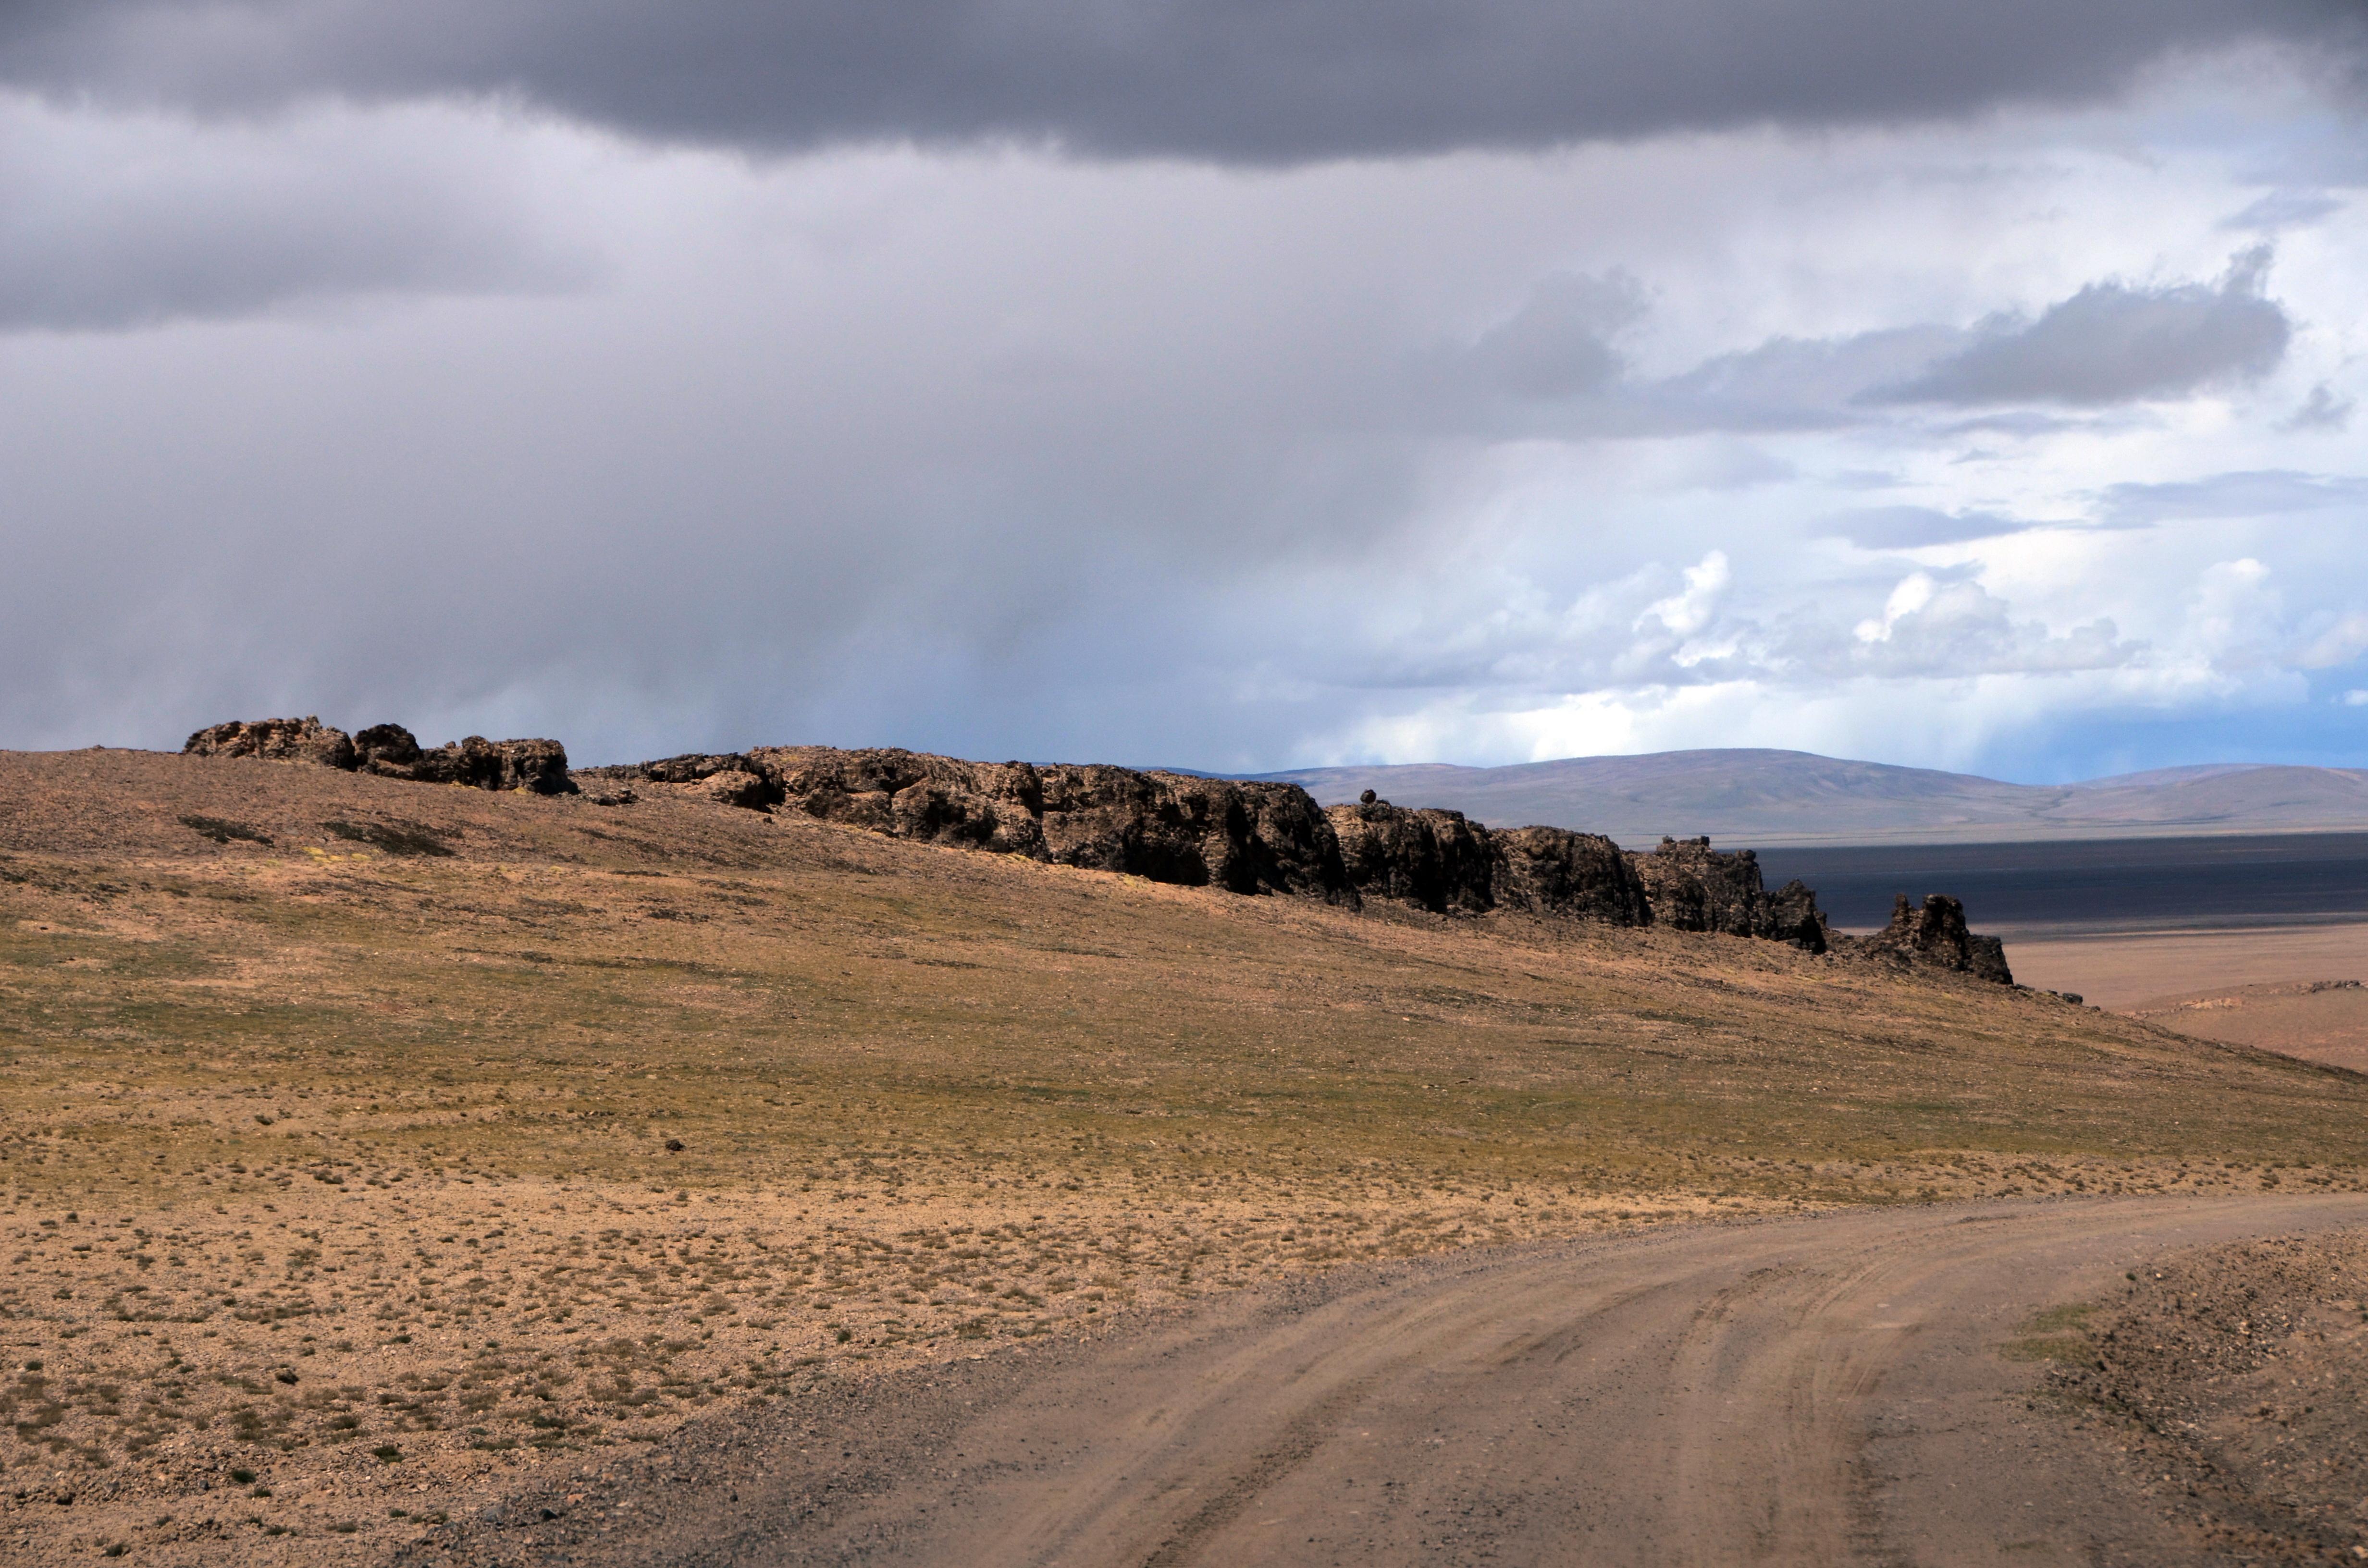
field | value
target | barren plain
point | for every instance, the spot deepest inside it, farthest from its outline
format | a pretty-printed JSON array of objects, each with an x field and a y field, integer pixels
[{"x": 374, "y": 1151}]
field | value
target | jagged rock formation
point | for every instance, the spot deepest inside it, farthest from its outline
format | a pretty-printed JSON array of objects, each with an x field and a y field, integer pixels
[
  {"x": 278, "y": 740},
  {"x": 1552, "y": 871},
  {"x": 1443, "y": 862},
  {"x": 1168, "y": 827},
  {"x": 392, "y": 752},
  {"x": 1935, "y": 937},
  {"x": 1268, "y": 837},
  {"x": 1692, "y": 887},
  {"x": 1435, "y": 859}
]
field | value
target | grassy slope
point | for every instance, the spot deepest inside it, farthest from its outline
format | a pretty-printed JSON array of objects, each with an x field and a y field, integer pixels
[
  {"x": 345, "y": 1171},
  {"x": 577, "y": 984}
]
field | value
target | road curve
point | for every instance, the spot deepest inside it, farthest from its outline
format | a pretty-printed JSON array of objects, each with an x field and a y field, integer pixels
[{"x": 1817, "y": 1390}]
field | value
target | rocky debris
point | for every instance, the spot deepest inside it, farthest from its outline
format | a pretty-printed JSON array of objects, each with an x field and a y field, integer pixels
[
  {"x": 1934, "y": 936},
  {"x": 275, "y": 740},
  {"x": 391, "y": 751},
  {"x": 1692, "y": 887},
  {"x": 2238, "y": 1376}
]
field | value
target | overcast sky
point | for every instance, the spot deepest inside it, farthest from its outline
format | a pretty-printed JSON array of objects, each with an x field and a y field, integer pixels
[{"x": 1235, "y": 385}]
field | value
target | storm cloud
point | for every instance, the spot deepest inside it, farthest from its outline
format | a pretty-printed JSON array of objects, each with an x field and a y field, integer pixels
[
  {"x": 1226, "y": 387},
  {"x": 2115, "y": 343},
  {"x": 1283, "y": 81},
  {"x": 134, "y": 220}
]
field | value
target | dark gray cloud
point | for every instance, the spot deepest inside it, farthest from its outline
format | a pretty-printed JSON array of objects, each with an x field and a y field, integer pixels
[
  {"x": 130, "y": 222},
  {"x": 1280, "y": 81},
  {"x": 1558, "y": 346},
  {"x": 2115, "y": 343},
  {"x": 2253, "y": 494},
  {"x": 1554, "y": 369}
]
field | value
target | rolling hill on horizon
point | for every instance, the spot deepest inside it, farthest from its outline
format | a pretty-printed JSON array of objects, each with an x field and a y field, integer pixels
[{"x": 1771, "y": 797}]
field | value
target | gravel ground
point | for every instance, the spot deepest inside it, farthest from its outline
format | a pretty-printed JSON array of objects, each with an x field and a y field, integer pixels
[{"x": 2238, "y": 1379}]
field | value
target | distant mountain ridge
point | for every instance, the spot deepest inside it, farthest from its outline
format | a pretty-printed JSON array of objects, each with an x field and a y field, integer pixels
[{"x": 1766, "y": 797}]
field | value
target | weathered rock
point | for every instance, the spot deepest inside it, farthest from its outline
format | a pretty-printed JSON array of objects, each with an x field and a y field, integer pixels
[
  {"x": 693, "y": 767},
  {"x": 1551, "y": 871},
  {"x": 277, "y": 740},
  {"x": 1935, "y": 937},
  {"x": 1692, "y": 887},
  {"x": 1791, "y": 914},
  {"x": 388, "y": 749},
  {"x": 1436, "y": 859},
  {"x": 1256, "y": 837},
  {"x": 1441, "y": 861},
  {"x": 731, "y": 779},
  {"x": 1247, "y": 837},
  {"x": 391, "y": 751},
  {"x": 738, "y": 786},
  {"x": 935, "y": 799},
  {"x": 538, "y": 765}
]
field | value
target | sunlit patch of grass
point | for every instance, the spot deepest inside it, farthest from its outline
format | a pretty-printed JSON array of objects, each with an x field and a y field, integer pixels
[{"x": 2057, "y": 1333}]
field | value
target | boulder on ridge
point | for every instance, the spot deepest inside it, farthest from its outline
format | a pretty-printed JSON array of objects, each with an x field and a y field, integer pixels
[{"x": 1935, "y": 937}]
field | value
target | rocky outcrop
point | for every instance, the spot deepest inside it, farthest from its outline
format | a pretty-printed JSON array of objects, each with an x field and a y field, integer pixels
[
  {"x": 1551, "y": 871},
  {"x": 1252, "y": 836},
  {"x": 1435, "y": 859},
  {"x": 1934, "y": 936},
  {"x": 1247, "y": 837},
  {"x": 1692, "y": 887},
  {"x": 1441, "y": 861},
  {"x": 391, "y": 751},
  {"x": 277, "y": 740}
]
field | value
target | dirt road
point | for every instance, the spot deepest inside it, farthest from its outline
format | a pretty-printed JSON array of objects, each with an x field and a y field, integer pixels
[{"x": 1818, "y": 1390}]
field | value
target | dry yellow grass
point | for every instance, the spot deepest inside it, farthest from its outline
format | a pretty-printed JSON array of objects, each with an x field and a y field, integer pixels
[{"x": 401, "y": 1127}]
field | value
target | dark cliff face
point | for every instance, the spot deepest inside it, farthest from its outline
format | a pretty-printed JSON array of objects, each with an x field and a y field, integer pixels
[
  {"x": 1441, "y": 861},
  {"x": 391, "y": 751},
  {"x": 1692, "y": 887},
  {"x": 1167, "y": 827},
  {"x": 1435, "y": 859},
  {"x": 1552, "y": 871},
  {"x": 1934, "y": 936}
]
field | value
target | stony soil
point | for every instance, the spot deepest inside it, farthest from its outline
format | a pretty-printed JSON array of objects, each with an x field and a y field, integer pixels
[{"x": 2235, "y": 1381}]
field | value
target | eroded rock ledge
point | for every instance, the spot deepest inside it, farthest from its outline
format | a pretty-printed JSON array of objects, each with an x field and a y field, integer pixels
[
  {"x": 392, "y": 752},
  {"x": 1244, "y": 835},
  {"x": 1262, "y": 837}
]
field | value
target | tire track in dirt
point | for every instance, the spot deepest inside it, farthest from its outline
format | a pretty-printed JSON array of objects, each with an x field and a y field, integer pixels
[{"x": 1817, "y": 1390}]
